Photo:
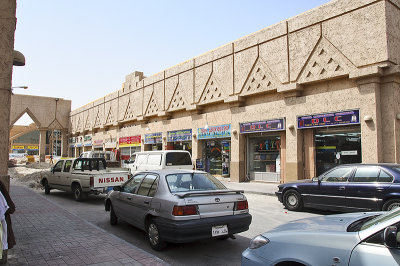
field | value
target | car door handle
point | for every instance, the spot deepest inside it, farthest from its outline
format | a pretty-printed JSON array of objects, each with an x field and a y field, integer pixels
[
  {"x": 342, "y": 188},
  {"x": 379, "y": 189},
  {"x": 146, "y": 202},
  {"x": 129, "y": 198}
]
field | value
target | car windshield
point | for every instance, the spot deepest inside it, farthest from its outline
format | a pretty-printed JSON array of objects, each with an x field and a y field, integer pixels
[
  {"x": 193, "y": 182},
  {"x": 369, "y": 221}
]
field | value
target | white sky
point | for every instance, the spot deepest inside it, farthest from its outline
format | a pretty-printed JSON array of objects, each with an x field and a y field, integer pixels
[{"x": 82, "y": 50}]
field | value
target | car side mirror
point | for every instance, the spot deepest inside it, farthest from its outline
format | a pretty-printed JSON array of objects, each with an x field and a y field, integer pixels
[
  {"x": 390, "y": 236},
  {"x": 126, "y": 161},
  {"x": 117, "y": 188}
]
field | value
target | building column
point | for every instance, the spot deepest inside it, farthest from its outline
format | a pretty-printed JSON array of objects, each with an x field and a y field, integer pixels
[
  {"x": 64, "y": 143},
  {"x": 42, "y": 145},
  {"x": 294, "y": 168},
  {"x": 7, "y": 29}
]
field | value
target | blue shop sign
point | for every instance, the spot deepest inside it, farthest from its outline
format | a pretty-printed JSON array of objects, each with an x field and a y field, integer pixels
[
  {"x": 223, "y": 131},
  {"x": 179, "y": 135},
  {"x": 262, "y": 126},
  {"x": 341, "y": 118},
  {"x": 153, "y": 138},
  {"x": 78, "y": 145}
]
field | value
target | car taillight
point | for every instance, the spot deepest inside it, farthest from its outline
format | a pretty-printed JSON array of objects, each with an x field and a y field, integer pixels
[
  {"x": 184, "y": 210},
  {"x": 241, "y": 205},
  {"x": 91, "y": 182}
]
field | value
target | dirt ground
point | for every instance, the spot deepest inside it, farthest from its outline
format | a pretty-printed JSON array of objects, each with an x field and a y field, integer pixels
[{"x": 29, "y": 174}]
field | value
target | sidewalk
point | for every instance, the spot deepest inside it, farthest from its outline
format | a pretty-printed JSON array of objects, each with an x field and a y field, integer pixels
[
  {"x": 47, "y": 234},
  {"x": 262, "y": 188}
]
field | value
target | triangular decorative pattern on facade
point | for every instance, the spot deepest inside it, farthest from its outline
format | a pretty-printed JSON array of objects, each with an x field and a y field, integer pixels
[
  {"x": 78, "y": 124},
  {"x": 325, "y": 62},
  {"x": 260, "y": 79},
  {"x": 97, "y": 121},
  {"x": 212, "y": 91},
  {"x": 129, "y": 111},
  {"x": 110, "y": 117},
  {"x": 152, "y": 107},
  {"x": 55, "y": 124},
  {"x": 87, "y": 124},
  {"x": 177, "y": 100}
]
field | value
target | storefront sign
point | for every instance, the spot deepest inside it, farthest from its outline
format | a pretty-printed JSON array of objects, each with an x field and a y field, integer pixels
[
  {"x": 153, "y": 138},
  {"x": 98, "y": 143},
  {"x": 329, "y": 119},
  {"x": 223, "y": 131},
  {"x": 87, "y": 138},
  {"x": 110, "y": 145},
  {"x": 133, "y": 141},
  {"x": 78, "y": 144},
  {"x": 179, "y": 135},
  {"x": 348, "y": 153},
  {"x": 33, "y": 147},
  {"x": 17, "y": 147},
  {"x": 262, "y": 126}
]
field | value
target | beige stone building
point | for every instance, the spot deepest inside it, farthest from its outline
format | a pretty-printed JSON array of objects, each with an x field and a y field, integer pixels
[{"x": 284, "y": 103}]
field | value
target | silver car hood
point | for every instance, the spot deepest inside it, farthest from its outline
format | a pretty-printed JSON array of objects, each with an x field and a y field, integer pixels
[{"x": 327, "y": 223}]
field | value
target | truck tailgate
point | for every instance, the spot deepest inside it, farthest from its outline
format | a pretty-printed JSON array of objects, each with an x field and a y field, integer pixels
[{"x": 110, "y": 179}]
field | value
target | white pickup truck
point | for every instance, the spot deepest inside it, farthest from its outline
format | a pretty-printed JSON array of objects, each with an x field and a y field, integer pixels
[{"x": 82, "y": 176}]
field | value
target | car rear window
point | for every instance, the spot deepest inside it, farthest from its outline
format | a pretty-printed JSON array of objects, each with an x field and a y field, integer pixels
[
  {"x": 178, "y": 158},
  {"x": 193, "y": 182}
]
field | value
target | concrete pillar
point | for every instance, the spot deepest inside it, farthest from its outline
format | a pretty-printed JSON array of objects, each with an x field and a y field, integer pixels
[
  {"x": 42, "y": 144},
  {"x": 195, "y": 144},
  {"x": 309, "y": 154},
  {"x": 294, "y": 168},
  {"x": 64, "y": 143},
  {"x": 238, "y": 155},
  {"x": 7, "y": 29},
  {"x": 370, "y": 104}
]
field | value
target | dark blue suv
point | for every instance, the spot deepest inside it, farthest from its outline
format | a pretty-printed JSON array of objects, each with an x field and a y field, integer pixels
[{"x": 351, "y": 187}]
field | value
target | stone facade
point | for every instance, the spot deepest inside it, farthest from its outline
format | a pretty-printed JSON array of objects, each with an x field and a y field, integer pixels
[
  {"x": 340, "y": 56},
  {"x": 7, "y": 29}
]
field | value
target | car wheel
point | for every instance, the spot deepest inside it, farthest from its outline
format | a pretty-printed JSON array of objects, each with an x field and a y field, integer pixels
[
  {"x": 155, "y": 240},
  {"x": 46, "y": 187},
  {"x": 292, "y": 200},
  {"x": 79, "y": 195},
  {"x": 391, "y": 204},
  {"x": 113, "y": 216}
]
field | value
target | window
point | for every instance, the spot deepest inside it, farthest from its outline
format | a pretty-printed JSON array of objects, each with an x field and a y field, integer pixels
[
  {"x": 193, "y": 182},
  {"x": 385, "y": 177},
  {"x": 67, "y": 165},
  {"x": 58, "y": 166},
  {"x": 178, "y": 158},
  {"x": 366, "y": 174},
  {"x": 146, "y": 185},
  {"x": 131, "y": 185},
  {"x": 154, "y": 159},
  {"x": 340, "y": 174},
  {"x": 141, "y": 159}
]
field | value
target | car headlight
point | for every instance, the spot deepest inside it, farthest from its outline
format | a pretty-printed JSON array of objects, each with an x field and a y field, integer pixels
[{"x": 258, "y": 242}]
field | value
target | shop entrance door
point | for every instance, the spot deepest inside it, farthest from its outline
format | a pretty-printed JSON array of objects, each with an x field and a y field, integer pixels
[
  {"x": 216, "y": 154},
  {"x": 337, "y": 146}
]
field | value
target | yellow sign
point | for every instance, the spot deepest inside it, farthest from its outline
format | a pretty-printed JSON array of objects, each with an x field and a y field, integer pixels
[
  {"x": 33, "y": 147},
  {"x": 15, "y": 147}
]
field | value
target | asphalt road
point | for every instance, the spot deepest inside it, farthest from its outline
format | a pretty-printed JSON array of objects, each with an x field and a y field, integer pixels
[{"x": 267, "y": 213}]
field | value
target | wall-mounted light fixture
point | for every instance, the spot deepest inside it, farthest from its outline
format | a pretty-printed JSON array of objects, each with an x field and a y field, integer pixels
[
  {"x": 290, "y": 126},
  {"x": 368, "y": 118},
  {"x": 234, "y": 132},
  {"x": 398, "y": 116},
  {"x": 194, "y": 135}
]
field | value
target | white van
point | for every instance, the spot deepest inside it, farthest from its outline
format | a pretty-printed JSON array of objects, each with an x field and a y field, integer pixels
[{"x": 155, "y": 160}]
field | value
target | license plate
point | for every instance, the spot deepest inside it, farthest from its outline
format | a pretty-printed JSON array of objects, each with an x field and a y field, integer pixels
[{"x": 219, "y": 230}]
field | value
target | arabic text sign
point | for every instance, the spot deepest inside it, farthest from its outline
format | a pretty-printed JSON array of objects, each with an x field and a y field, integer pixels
[
  {"x": 179, "y": 135},
  {"x": 262, "y": 126},
  {"x": 153, "y": 138},
  {"x": 223, "y": 131},
  {"x": 329, "y": 119},
  {"x": 132, "y": 141}
]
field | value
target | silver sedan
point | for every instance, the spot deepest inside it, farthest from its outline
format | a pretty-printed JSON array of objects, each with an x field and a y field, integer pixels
[{"x": 179, "y": 206}]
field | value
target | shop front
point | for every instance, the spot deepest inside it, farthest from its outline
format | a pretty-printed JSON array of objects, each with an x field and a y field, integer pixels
[
  {"x": 129, "y": 145},
  {"x": 78, "y": 149},
  {"x": 32, "y": 149},
  {"x": 216, "y": 148},
  {"x": 263, "y": 149},
  {"x": 337, "y": 138},
  {"x": 153, "y": 142},
  {"x": 110, "y": 144},
  {"x": 98, "y": 145},
  {"x": 71, "y": 142},
  {"x": 18, "y": 149},
  {"x": 87, "y": 143},
  {"x": 180, "y": 140}
]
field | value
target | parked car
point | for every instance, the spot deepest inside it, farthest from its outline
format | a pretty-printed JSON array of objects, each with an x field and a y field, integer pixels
[
  {"x": 353, "y": 187},
  {"x": 177, "y": 205},
  {"x": 367, "y": 239},
  {"x": 82, "y": 176},
  {"x": 156, "y": 160}
]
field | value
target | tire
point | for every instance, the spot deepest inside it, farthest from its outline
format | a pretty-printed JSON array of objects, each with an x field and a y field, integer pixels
[
  {"x": 46, "y": 187},
  {"x": 79, "y": 195},
  {"x": 113, "y": 216},
  {"x": 391, "y": 204},
  {"x": 292, "y": 200},
  {"x": 153, "y": 234}
]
